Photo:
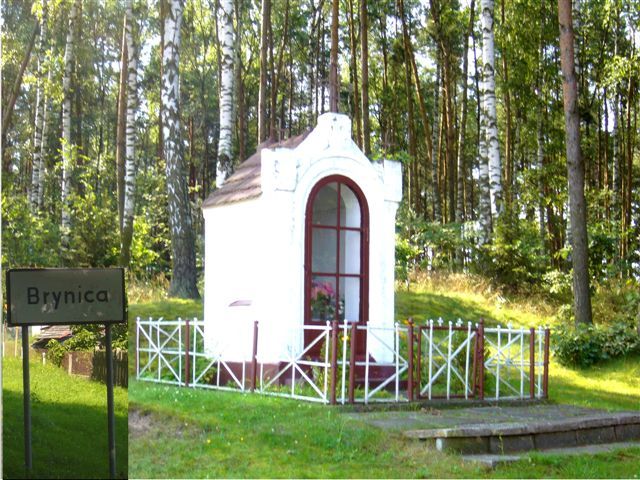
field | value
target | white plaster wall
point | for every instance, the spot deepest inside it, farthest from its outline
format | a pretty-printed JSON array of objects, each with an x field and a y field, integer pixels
[{"x": 232, "y": 273}]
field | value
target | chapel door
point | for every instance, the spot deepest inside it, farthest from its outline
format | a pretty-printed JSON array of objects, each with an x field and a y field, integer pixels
[{"x": 336, "y": 256}]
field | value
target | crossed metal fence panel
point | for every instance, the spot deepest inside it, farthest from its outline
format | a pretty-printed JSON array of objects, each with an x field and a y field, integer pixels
[
  {"x": 459, "y": 361},
  {"x": 301, "y": 363}
]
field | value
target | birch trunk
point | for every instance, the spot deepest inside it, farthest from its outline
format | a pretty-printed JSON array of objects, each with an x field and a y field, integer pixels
[
  {"x": 130, "y": 163},
  {"x": 183, "y": 278},
  {"x": 121, "y": 123},
  {"x": 484, "y": 188},
  {"x": 489, "y": 110},
  {"x": 575, "y": 169},
  {"x": 225, "y": 165},
  {"x": 46, "y": 107},
  {"x": 39, "y": 118},
  {"x": 67, "y": 147}
]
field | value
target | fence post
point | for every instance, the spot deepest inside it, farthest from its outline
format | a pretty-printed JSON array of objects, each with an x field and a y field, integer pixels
[
  {"x": 334, "y": 360},
  {"x": 137, "y": 347},
  {"x": 187, "y": 353},
  {"x": 254, "y": 356},
  {"x": 545, "y": 374},
  {"x": 410, "y": 355},
  {"x": 532, "y": 363},
  {"x": 481, "y": 359},
  {"x": 352, "y": 363}
]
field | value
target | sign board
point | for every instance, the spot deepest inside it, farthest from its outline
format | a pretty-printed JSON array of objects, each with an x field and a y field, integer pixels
[{"x": 48, "y": 296}]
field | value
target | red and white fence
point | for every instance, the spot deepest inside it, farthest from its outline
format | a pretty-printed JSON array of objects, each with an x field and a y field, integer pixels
[{"x": 435, "y": 360}]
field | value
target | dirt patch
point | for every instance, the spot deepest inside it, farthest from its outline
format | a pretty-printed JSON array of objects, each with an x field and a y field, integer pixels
[{"x": 140, "y": 423}]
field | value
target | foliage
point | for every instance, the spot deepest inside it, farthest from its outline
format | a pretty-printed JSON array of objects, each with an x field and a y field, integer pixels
[
  {"x": 586, "y": 345},
  {"x": 27, "y": 240},
  {"x": 56, "y": 352},
  {"x": 515, "y": 258}
]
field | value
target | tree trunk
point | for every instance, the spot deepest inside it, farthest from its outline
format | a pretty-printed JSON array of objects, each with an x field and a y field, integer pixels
[
  {"x": 183, "y": 278},
  {"x": 68, "y": 151},
  {"x": 242, "y": 115},
  {"x": 364, "y": 52},
  {"x": 575, "y": 168},
  {"x": 262, "y": 92},
  {"x": 13, "y": 96},
  {"x": 130, "y": 162},
  {"x": 46, "y": 107},
  {"x": 421, "y": 103},
  {"x": 121, "y": 125},
  {"x": 40, "y": 107},
  {"x": 354, "y": 76},
  {"x": 489, "y": 103},
  {"x": 333, "y": 66},
  {"x": 276, "y": 76},
  {"x": 225, "y": 162},
  {"x": 462, "y": 164}
]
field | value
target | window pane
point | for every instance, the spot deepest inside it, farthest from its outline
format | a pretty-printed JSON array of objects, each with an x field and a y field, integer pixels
[
  {"x": 325, "y": 205},
  {"x": 349, "y": 252},
  {"x": 349, "y": 208},
  {"x": 323, "y": 298},
  {"x": 350, "y": 299},
  {"x": 323, "y": 250}
]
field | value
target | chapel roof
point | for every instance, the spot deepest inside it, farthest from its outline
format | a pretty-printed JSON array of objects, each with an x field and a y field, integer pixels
[{"x": 245, "y": 183}]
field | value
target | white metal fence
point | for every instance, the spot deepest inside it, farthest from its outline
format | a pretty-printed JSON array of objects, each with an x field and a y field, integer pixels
[{"x": 436, "y": 360}]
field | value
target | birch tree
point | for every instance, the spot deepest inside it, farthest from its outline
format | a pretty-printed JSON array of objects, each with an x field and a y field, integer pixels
[
  {"x": 183, "y": 278},
  {"x": 40, "y": 108},
  {"x": 130, "y": 129},
  {"x": 68, "y": 151},
  {"x": 226, "y": 38},
  {"x": 575, "y": 169},
  {"x": 489, "y": 108}
]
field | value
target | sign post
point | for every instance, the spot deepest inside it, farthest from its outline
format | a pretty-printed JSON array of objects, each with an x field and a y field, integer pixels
[
  {"x": 66, "y": 296},
  {"x": 26, "y": 398}
]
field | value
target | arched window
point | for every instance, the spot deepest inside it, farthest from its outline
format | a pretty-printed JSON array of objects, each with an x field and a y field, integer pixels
[{"x": 336, "y": 252}]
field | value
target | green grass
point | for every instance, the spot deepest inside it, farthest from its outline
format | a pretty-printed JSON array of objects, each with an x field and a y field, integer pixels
[
  {"x": 69, "y": 424},
  {"x": 196, "y": 433}
]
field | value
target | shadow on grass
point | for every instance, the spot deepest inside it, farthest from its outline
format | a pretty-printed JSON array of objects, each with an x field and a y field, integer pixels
[{"x": 69, "y": 440}]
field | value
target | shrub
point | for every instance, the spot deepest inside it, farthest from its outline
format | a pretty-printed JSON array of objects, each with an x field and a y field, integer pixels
[
  {"x": 586, "y": 345},
  {"x": 55, "y": 352}
]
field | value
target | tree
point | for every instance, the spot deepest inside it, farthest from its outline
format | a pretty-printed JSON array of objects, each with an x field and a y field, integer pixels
[
  {"x": 575, "y": 168},
  {"x": 227, "y": 54},
  {"x": 489, "y": 112},
  {"x": 183, "y": 278},
  {"x": 130, "y": 159},
  {"x": 39, "y": 123},
  {"x": 364, "y": 52},
  {"x": 333, "y": 65},
  {"x": 68, "y": 150},
  {"x": 264, "y": 49}
]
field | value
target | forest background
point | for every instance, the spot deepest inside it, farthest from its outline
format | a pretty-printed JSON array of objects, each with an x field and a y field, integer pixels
[{"x": 111, "y": 142}]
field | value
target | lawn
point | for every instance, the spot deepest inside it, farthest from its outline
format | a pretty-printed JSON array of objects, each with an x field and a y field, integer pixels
[
  {"x": 178, "y": 432},
  {"x": 69, "y": 424}
]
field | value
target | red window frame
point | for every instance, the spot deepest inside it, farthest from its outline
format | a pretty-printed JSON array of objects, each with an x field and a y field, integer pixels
[{"x": 363, "y": 275}]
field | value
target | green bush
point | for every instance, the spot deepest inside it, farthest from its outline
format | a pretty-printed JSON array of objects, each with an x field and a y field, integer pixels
[
  {"x": 55, "y": 352},
  {"x": 515, "y": 258},
  {"x": 588, "y": 344}
]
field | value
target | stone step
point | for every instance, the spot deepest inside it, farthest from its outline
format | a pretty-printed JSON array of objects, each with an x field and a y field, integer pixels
[
  {"x": 492, "y": 460},
  {"x": 500, "y": 438}
]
